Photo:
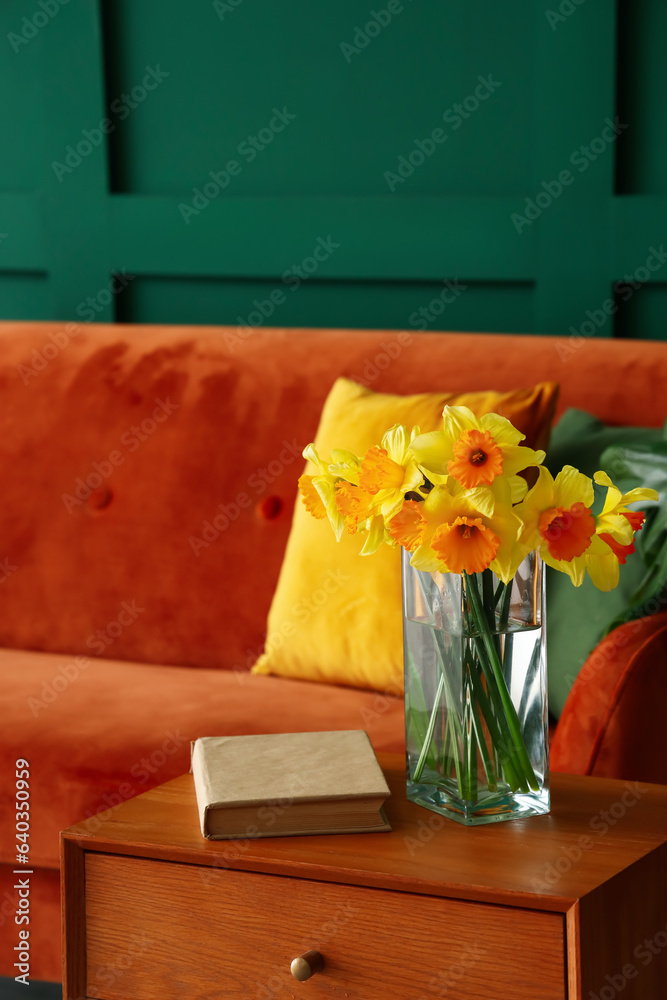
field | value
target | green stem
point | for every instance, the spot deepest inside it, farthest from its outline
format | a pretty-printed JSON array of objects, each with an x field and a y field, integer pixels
[
  {"x": 505, "y": 610},
  {"x": 431, "y": 728},
  {"x": 511, "y": 718},
  {"x": 479, "y": 698},
  {"x": 457, "y": 763},
  {"x": 469, "y": 746},
  {"x": 498, "y": 741}
]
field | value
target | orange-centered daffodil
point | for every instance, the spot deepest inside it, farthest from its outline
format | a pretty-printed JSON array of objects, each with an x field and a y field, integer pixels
[
  {"x": 475, "y": 451},
  {"x": 466, "y": 543},
  {"x": 477, "y": 459},
  {"x": 558, "y": 521},
  {"x": 318, "y": 492},
  {"x": 615, "y": 519},
  {"x": 384, "y": 475},
  {"x": 355, "y": 504},
  {"x": 615, "y": 527},
  {"x": 456, "y": 530}
]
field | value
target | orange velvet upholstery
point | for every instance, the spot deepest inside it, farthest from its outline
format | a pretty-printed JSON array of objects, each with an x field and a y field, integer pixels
[
  {"x": 613, "y": 723},
  {"x": 110, "y": 497},
  {"x": 149, "y": 475},
  {"x": 119, "y": 728}
]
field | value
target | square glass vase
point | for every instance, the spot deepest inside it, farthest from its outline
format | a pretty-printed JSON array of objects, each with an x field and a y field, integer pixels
[{"x": 476, "y": 721}]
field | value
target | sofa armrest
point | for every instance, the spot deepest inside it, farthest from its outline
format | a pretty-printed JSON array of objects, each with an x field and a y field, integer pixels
[{"x": 613, "y": 722}]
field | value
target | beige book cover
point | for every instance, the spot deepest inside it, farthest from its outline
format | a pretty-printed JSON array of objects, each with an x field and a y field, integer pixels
[{"x": 282, "y": 784}]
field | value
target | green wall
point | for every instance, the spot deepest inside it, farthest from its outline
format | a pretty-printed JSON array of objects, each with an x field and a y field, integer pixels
[{"x": 426, "y": 164}]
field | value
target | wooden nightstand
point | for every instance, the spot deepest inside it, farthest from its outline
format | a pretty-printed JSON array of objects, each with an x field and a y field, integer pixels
[{"x": 552, "y": 907}]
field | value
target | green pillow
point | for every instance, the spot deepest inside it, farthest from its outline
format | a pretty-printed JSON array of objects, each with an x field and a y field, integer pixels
[{"x": 578, "y": 617}]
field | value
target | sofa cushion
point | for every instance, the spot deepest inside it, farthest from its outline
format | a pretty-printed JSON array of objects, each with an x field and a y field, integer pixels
[
  {"x": 613, "y": 722},
  {"x": 165, "y": 513},
  {"x": 336, "y": 616},
  {"x": 100, "y": 734}
]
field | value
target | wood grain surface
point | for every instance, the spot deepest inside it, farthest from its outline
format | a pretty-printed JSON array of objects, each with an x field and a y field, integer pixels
[
  {"x": 579, "y": 895},
  {"x": 158, "y": 930},
  {"x": 547, "y": 862}
]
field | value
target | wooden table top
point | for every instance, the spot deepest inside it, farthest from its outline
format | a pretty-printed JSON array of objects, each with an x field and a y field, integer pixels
[{"x": 596, "y": 829}]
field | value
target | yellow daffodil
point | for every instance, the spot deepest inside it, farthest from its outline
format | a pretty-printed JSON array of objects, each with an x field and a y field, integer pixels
[
  {"x": 616, "y": 520},
  {"x": 318, "y": 493},
  {"x": 456, "y": 530},
  {"x": 390, "y": 471},
  {"x": 475, "y": 451},
  {"x": 345, "y": 465},
  {"x": 615, "y": 527},
  {"x": 558, "y": 521},
  {"x": 374, "y": 488},
  {"x": 454, "y": 499},
  {"x": 354, "y": 504}
]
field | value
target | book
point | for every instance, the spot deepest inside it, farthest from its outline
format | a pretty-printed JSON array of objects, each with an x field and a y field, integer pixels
[{"x": 284, "y": 784}]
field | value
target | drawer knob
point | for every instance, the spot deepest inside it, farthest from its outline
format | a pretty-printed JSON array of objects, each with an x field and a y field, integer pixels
[{"x": 305, "y": 966}]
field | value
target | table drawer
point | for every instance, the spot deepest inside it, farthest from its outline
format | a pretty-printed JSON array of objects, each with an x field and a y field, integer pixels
[{"x": 158, "y": 930}]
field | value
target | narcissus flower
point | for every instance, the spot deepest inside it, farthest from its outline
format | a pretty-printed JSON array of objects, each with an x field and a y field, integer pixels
[
  {"x": 456, "y": 530},
  {"x": 558, "y": 521},
  {"x": 454, "y": 499},
  {"x": 616, "y": 526},
  {"x": 318, "y": 493},
  {"x": 355, "y": 504},
  {"x": 390, "y": 471},
  {"x": 408, "y": 526},
  {"x": 475, "y": 451},
  {"x": 376, "y": 485},
  {"x": 615, "y": 520}
]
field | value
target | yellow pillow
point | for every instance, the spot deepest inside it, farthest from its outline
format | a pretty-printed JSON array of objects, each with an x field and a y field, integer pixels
[{"x": 336, "y": 616}]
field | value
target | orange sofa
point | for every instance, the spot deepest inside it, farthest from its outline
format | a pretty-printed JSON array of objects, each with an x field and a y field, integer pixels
[{"x": 149, "y": 474}]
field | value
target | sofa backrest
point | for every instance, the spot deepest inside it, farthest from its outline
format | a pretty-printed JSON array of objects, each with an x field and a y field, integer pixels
[{"x": 149, "y": 473}]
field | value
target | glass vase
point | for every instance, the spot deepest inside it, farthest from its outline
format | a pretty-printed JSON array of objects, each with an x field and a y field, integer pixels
[{"x": 476, "y": 693}]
